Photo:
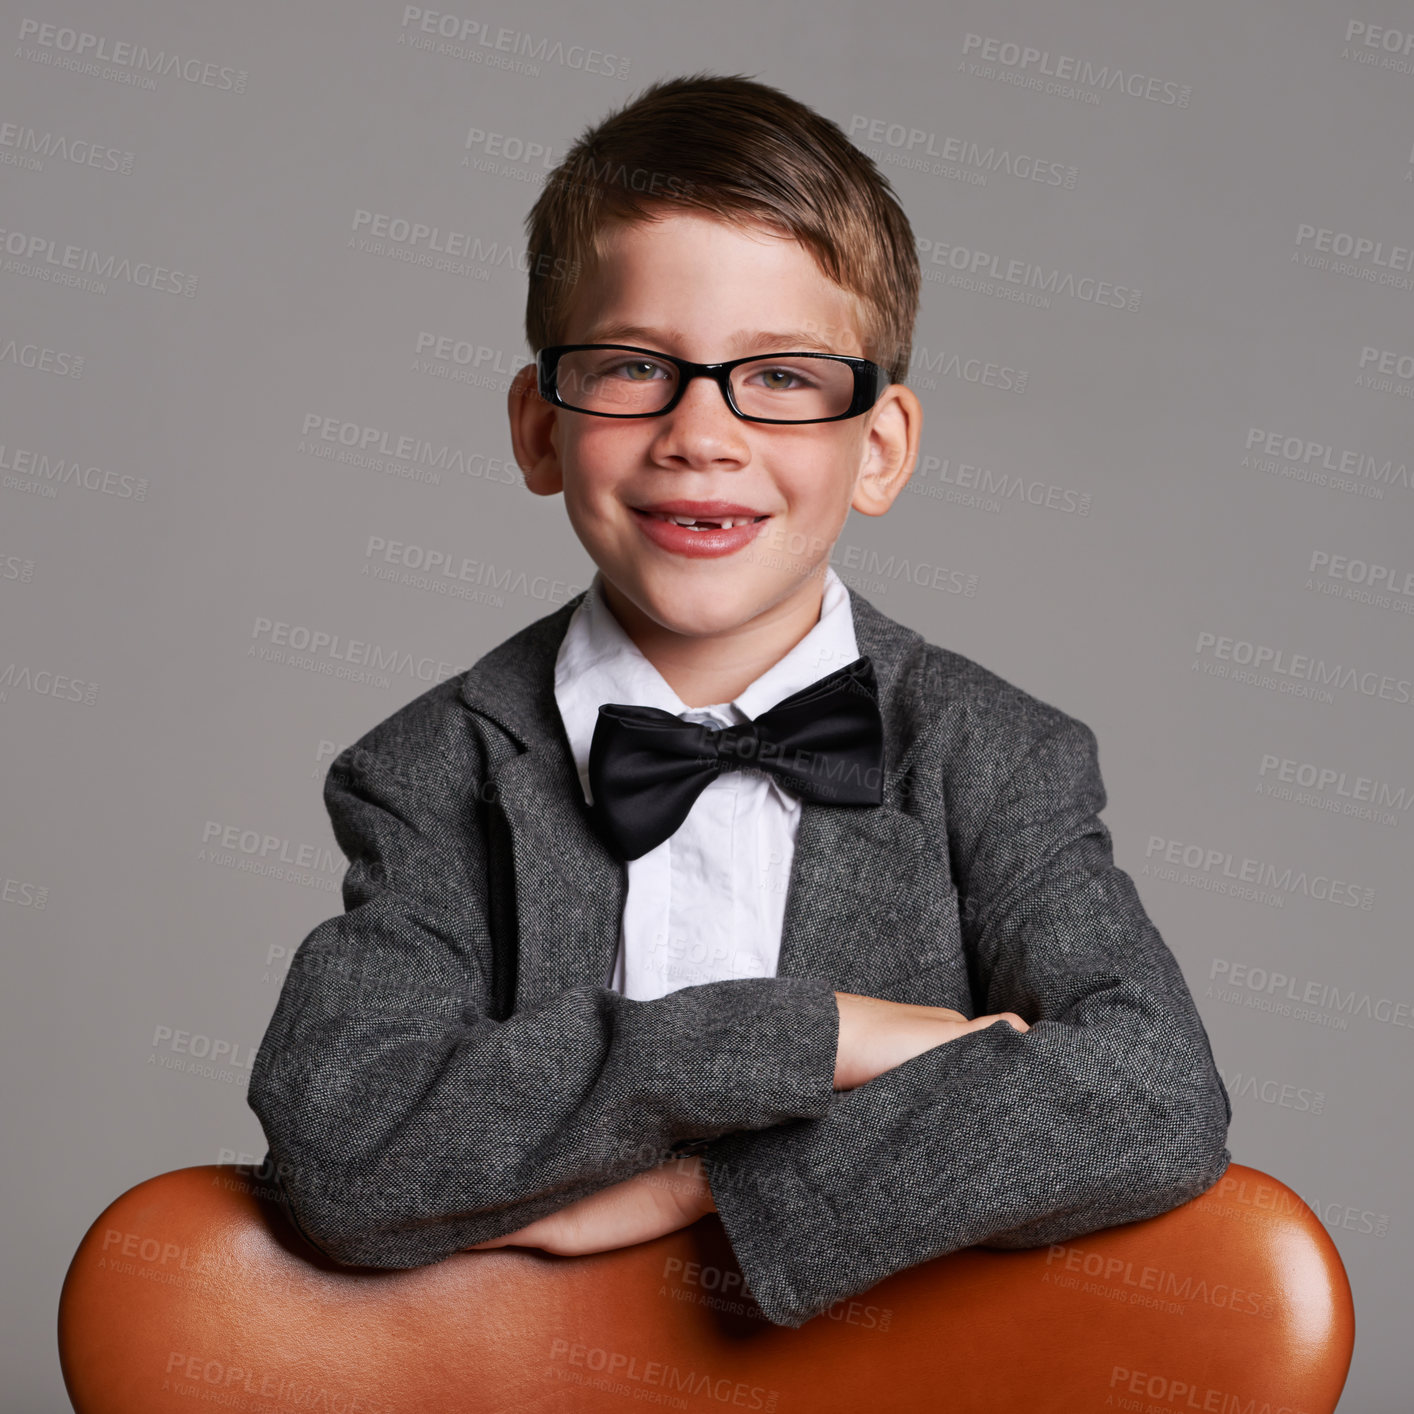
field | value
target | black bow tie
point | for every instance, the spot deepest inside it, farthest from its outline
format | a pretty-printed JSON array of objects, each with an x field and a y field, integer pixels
[{"x": 647, "y": 767}]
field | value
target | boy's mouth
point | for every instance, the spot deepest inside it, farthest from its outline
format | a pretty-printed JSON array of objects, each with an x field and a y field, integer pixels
[
  {"x": 701, "y": 515},
  {"x": 701, "y": 522},
  {"x": 700, "y": 530}
]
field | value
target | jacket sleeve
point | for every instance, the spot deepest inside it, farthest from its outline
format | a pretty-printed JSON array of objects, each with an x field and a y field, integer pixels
[
  {"x": 1108, "y": 1110},
  {"x": 406, "y": 1122}
]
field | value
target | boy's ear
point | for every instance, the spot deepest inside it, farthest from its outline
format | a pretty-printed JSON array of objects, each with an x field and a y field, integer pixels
[
  {"x": 891, "y": 442},
  {"x": 532, "y": 434}
]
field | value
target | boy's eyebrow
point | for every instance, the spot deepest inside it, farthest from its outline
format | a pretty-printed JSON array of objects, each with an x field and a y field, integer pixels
[{"x": 747, "y": 340}]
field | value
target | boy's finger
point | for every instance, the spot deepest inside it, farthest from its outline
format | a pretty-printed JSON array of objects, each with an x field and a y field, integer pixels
[{"x": 1011, "y": 1018}]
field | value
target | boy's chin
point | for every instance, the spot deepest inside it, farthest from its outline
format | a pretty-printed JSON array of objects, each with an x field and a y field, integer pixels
[{"x": 699, "y": 608}]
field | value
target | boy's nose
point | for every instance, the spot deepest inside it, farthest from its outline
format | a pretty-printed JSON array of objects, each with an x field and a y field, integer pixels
[{"x": 703, "y": 413}]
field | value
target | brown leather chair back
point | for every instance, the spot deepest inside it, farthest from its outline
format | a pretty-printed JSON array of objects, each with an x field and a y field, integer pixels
[{"x": 193, "y": 1289}]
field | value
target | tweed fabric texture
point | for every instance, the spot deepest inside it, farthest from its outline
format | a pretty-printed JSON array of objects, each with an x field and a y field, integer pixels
[{"x": 443, "y": 1065}]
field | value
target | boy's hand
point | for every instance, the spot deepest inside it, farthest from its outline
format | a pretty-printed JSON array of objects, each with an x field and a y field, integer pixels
[
  {"x": 876, "y": 1035},
  {"x": 648, "y": 1205}
]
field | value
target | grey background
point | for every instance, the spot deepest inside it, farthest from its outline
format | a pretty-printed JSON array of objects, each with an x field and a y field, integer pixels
[{"x": 143, "y": 717}]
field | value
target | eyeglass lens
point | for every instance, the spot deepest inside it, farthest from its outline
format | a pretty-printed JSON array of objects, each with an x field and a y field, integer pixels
[{"x": 625, "y": 383}]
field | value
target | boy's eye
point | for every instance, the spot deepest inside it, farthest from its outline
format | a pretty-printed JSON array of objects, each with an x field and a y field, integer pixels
[
  {"x": 638, "y": 370},
  {"x": 779, "y": 380}
]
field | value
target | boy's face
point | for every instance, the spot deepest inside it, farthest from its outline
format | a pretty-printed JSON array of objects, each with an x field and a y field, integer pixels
[{"x": 701, "y": 289}]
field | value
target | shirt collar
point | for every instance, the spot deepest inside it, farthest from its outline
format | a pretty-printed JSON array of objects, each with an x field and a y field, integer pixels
[{"x": 598, "y": 662}]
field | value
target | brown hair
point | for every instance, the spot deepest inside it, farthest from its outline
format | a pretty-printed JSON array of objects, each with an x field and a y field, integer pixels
[{"x": 746, "y": 153}]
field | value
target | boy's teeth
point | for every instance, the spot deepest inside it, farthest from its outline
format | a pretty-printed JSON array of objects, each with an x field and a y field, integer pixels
[{"x": 706, "y": 524}]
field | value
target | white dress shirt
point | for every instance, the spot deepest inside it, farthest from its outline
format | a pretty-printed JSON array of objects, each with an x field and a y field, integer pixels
[{"x": 709, "y": 902}]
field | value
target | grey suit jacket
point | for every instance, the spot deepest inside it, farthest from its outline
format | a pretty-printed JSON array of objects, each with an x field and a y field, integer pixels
[{"x": 446, "y": 1063}]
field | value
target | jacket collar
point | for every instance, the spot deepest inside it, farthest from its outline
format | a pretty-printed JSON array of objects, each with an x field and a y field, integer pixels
[{"x": 570, "y": 889}]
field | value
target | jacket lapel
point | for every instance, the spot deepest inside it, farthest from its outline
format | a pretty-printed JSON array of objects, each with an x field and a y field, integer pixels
[
  {"x": 569, "y": 888},
  {"x": 870, "y": 900},
  {"x": 866, "y": 904},
  {"x": 863, "y": 879}
]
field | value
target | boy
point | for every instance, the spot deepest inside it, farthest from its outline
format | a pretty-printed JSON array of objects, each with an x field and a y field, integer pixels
[{"x": 718, "y": 889}]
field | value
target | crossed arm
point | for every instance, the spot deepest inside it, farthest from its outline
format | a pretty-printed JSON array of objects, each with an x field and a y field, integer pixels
[
  {"x": 874, "y": 1036},
  {"x": 1108, "y": 1110},
  {"x": 406, "y": 1121}
]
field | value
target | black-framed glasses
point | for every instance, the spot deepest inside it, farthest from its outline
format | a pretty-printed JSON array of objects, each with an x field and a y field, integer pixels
[{"x": 622, "y": 380}]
